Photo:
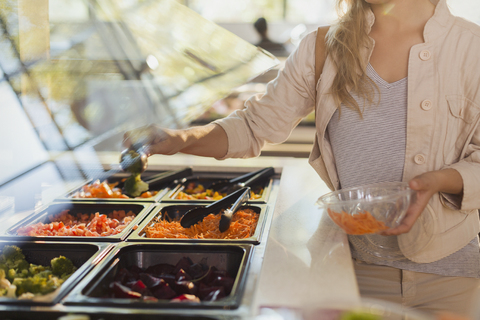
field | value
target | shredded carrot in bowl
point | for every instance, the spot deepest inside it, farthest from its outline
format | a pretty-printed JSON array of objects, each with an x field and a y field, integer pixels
[
  {"x": 242, "y": 226},
  {"x": 357, "y": 224}
]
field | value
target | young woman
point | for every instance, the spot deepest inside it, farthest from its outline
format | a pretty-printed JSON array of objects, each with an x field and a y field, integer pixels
[{"x": 398, "y": 100}]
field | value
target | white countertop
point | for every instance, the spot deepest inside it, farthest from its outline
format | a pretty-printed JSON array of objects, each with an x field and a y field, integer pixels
[{"x": 307, "y": 260}]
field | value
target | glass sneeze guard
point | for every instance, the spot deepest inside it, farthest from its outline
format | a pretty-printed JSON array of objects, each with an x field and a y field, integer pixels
[{"x": 70, "y": 85}]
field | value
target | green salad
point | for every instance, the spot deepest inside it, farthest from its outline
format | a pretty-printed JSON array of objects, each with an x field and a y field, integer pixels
[{"x": 23, "y": 280}]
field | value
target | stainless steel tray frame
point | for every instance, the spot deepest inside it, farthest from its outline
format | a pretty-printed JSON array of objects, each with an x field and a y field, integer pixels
[
  {"x": 223, "y": 256},
  {"x": 85, "y": 256},
  {"x": 177, "y": 186},
  {"x": 141, "y": 208},
  {"x": 97, "y": 312},
  {"x": 156, "y": 198},
  {"x": 156, "y": 214}
]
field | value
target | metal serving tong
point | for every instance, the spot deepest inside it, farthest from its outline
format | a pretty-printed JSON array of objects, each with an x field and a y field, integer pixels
[
  {"x": 231, "y": 203},
  {"x": 227, "y": 214},
  {"x": 134, "y": 159},
  {"x": 228, "y": 186}
]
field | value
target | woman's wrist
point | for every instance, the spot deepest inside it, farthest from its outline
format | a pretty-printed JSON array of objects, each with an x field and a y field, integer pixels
[
  {"x": 209, "y": 140},
  {"x": 449, "y": 181},
  {"x": 446, "y": 181}
]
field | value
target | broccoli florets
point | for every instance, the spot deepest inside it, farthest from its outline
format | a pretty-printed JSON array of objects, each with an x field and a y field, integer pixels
[
  {"x": 11, "y": 274},
  {"x": 134, "y": 186},
  {"x": 33, "y": 285},
  {"x": 12, "y": 253},
  {"x": 29, "y": 279},
  {"x": 62, "y": 266},
  {"x": 44, "y": 274},
  {"x": 22, "y": 265},
  {"x": 34, "y": 269},
  {"x": 22, "y": 285},
  {"x": 41, "y": 283},
  {"x": 4, "y": 267},
  {"x": 13, "y": 258}
]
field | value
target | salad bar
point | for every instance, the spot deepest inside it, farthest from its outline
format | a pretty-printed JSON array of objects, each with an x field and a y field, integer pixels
[
  {"x": 133, "y": 254},
  {"x": 292, "y": 262},
  {"x": 229, "y": 239}
]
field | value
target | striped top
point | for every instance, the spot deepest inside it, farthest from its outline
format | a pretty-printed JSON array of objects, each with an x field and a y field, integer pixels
[
  {"x": 372, "y": 150},
  {"x": 377, "y": 141}
]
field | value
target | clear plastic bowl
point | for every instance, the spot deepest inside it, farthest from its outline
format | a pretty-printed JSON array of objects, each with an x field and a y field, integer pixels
[{"x": 369, "y": 209}]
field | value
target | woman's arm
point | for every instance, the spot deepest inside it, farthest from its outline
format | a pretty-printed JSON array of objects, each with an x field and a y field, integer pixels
[
  {"x": 207, "y": 141},
  {"x": 267, "y": 118},
  {"x": 426, "y": 185}
]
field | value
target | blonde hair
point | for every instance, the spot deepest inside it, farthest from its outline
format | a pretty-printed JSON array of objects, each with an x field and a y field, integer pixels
[{"x": 345, "y": 42}]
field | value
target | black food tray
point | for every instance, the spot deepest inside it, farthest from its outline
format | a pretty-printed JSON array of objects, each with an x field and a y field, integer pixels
[
  {"x": 84, "y": 256},
  {"x": 140, "y": 210},
  {"x": 176, "y": 211},
  {"x": 94, "y": 290},
  {"x": 160, "y": 186},
  {"x": 179, "y": 186}
]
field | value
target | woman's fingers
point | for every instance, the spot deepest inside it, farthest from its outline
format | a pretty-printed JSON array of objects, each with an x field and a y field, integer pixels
[
  {"x": 413, "y": 212},
  {"x": 153, "y": 140},
  {"x": 425, "y": 188},
  {"x": 141, "y": 137}
]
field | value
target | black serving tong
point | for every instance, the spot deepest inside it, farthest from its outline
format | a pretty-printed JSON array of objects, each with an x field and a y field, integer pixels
[
  {"x": 169, "y": 176},
  {"x": 228, "y": 186},
  {"x": 196, "y": 215}
]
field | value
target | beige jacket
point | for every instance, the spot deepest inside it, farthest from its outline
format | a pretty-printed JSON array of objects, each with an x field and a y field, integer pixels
[{"x": 442, "y": 125}]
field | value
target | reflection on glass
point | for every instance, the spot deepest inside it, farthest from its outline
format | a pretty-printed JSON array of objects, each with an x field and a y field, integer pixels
[
  {"x": 118, "y": 63},
  {"x": 20, "y": 147},
  {"x": 239, "y": 10},
  {"x": 311, "y": 11},
  {"x": 74, "y": 75},
  {"x": 191, "y": 61}
]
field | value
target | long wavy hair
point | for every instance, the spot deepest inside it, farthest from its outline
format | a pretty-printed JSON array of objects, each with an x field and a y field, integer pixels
[{"x": 344, "y": 43}]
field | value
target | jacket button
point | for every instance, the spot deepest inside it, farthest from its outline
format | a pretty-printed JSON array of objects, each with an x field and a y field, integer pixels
[
  {"x": 419, "y": 159},
  {"x": 426, "y": 105},
  {"x": 425, "y": 55}
]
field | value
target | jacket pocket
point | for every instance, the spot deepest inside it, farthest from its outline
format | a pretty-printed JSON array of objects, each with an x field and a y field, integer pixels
[
  {"x": 420, "y": 235},
  {"x": 462, "y": 119}
]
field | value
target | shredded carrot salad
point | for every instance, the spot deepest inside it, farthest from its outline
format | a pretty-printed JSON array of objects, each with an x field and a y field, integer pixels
[
  {"x": 104, "y": 189},
  {"x": 81, "y": 225},
  {"x": 242, "y": 226},
  {"x": 195, "y": 191},
  {"x": 357, "y": 224}
]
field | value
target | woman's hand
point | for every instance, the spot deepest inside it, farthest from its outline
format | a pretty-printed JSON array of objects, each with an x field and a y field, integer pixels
[
  {"x": 426, "y": 185},
  {"x": 154, "y": 140}
]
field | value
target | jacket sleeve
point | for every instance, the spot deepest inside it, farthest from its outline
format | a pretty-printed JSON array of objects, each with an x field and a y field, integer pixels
[
  {"x": 469, "y": 169},
  {"x": 467, "y": 113},
  {"x": 271, "y": 117}
]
